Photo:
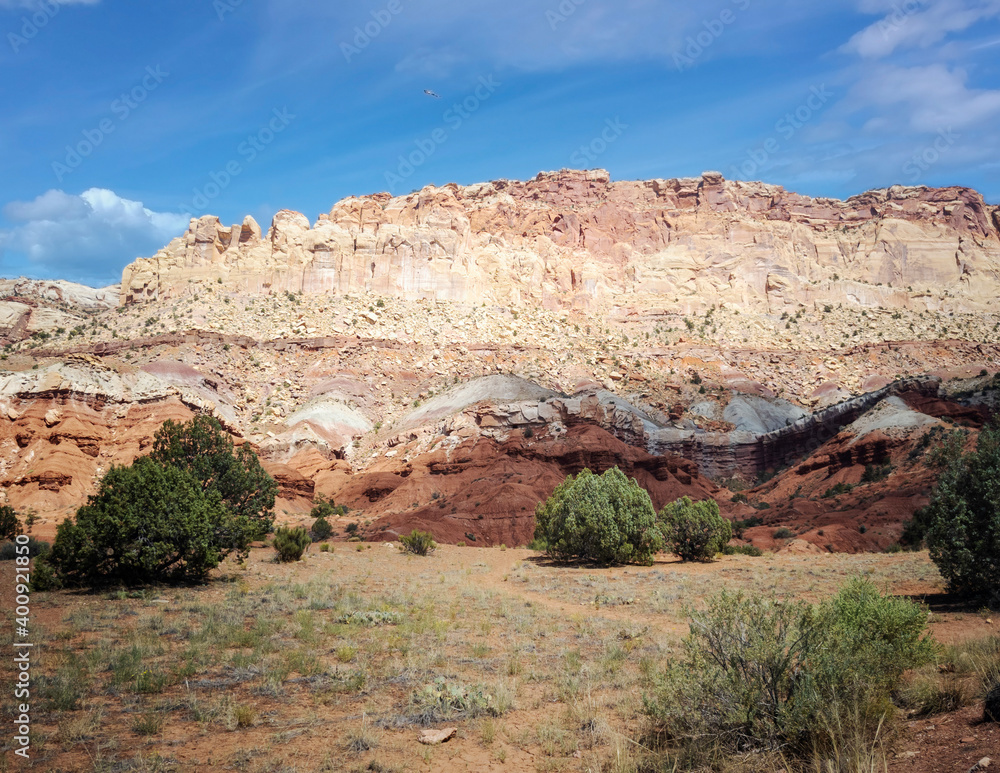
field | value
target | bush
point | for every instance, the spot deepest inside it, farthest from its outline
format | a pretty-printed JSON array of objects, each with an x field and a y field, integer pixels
[
  {"x": 10, "y": 526},
  {"x": 876, "y": 472},
  {"x": 146, "y": 523},
  {"x": 741, "y": 526},
  {"x": 420, "y": 543},
  {"x": 963, "y": 517},
  {"x": 762, "y": 674},
  {"x": 838, "y": 489},
  {"x": 605, "y": 518},
  {"x": 694, "y": 530},
  {"x": 8, "y": 550},
  {"x": 290, "y": 544},
  {"x": 445, "y": 700},
  {"x": 783, "y": 533},
  {"x": 321, "y": 529},
  {"x": 205, "y": 450},
  {"x": 742, "y": 550},
  {"x": 325, "y": 508}
]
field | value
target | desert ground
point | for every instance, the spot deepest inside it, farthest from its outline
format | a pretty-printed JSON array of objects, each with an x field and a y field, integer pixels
[{"x": 341, "y": 660}]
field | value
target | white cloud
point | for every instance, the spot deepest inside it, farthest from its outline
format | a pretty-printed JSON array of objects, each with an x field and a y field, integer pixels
[
  {"x": 87, "y": 238},
  {"x": 928, "y": 99},
  {"x": 917, "y": 24}
]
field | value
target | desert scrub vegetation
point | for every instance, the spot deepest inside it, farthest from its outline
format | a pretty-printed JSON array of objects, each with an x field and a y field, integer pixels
[
  {"x": 607, "y": 519},
  {"x": 290, "y": 543},
  {"x": 309, "y": 649},
  {"x": 694, "y": 531},
  {"x": 419, "y": 543},
  {"x": 811, "y": 681},
  {"x": 445, "y": 700},
  {"x": 172, "y": 516},
  {"x": 962, "y": 521},
  {"x": 10, "y": 524},
  {"x": 962, "y": 674}
]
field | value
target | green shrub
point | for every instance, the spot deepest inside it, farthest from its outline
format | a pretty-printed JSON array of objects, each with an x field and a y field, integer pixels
[
  {"x": 370, "y": 617},
  {"x": 205, "y": 450},
  {"x": 10, "y": 526},
  {"x": 876, "y": 472},
  {"x": 420, "y": 543},
  {"x": 605, "y": 518},
  {"x": 147, "y": 523},
  {"x": 324, "y": 507},
  {"x": 694, "y": 530},
  {"x": 762, "y": 674},
  {"x": 838, "y": 489},
  {"x": 290, "y": 544},
  {"x": 742, "y": 550},
  {"x": 783, "y": 533},
  {"x": 748, "y": 523},
  {"x": 321, "y": 529},
  {"x": 8, "y": 550},
  {"x": 963, "y": 517},
  {"x": 44, "y": 577},
  {"x": 445, "y": 700}
]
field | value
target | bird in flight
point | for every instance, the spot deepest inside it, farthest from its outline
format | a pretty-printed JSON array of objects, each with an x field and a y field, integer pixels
[{"x": 430, "y": 93}]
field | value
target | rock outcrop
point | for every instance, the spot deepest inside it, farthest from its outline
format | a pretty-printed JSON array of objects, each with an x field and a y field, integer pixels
[{"x": 576, "y": 240}]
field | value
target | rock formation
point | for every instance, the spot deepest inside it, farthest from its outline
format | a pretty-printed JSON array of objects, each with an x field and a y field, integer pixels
[
  {"x": 442, "y": 360},
  {"x": 576, "y": 240}
]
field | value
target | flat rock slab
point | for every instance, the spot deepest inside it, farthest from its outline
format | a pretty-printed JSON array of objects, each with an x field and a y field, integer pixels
[{"x": 434, "y": 737}]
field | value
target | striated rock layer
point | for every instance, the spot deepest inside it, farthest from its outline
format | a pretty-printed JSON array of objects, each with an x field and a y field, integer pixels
[{"x": 576, "y": 240}]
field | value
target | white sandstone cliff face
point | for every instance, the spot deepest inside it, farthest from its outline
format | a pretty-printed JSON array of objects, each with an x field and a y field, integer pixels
[{"x": 576, "y": 240}]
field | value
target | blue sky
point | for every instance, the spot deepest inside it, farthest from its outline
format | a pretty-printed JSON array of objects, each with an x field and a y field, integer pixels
[{"x": 120, "y": 120}]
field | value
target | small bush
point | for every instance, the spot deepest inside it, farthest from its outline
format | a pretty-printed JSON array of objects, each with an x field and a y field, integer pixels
[
  {"x": 370, "y": 617},
  {"x": 742, "y": 550},
  {"x": 351, "y": 528},
  {"x": 695, "y": 531},
  {"x": 8, "y": 550},
  {"x": 762, "y": 674},
  {"x": 876, "y": 472},
  {"x": 837, "y": 490},
  {"x": 290, "y": 544},
  {"x": 607, "y": 519},
  {"x": 321, "y": 529},
  {"x": 445, "y": 700},
  {"x": 783, "y": 533},
  {"x": 748, "y": 523},
  {"x": 420, "y": 543},
  {"x": 10, "y": 526}
]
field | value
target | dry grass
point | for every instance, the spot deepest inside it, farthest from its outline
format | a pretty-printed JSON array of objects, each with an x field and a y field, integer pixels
[{"x": 540, "y": 667}]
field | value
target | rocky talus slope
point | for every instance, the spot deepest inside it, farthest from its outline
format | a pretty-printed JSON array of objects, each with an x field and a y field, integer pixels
[{"x": 442, "y": 360}]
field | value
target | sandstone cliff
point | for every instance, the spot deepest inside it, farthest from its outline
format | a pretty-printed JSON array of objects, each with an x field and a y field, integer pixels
[{"x": 576, "y": 240}]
